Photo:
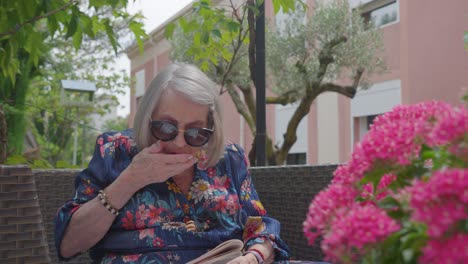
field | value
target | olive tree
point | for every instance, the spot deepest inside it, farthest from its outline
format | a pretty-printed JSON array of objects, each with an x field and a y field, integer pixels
[{"x": 305, "y": 58}]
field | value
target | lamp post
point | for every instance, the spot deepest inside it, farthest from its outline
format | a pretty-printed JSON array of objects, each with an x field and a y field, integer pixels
[
  {"x": 260, "y": 138},
  {"x": 77, "y": 94}
]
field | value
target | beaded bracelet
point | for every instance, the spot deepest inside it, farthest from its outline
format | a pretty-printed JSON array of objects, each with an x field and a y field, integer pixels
[
  {"x": 103, "y": 199},
  {"x": 257, "y": 253}
]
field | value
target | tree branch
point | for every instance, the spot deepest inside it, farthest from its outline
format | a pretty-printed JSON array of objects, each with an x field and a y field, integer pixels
[
  {"x": 284, "y": 99},
  {"x": 34, "y": 19},
  {"x": 249, "y": 100},
  {"x": 241, "y": 108},
  {"x": 348, "y": 91},
  {"x": 325, "y": 59},
  {"x": 236, "y": 47}
]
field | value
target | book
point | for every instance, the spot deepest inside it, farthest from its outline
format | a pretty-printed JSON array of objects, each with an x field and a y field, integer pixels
[{"x": 221, "y": 254}]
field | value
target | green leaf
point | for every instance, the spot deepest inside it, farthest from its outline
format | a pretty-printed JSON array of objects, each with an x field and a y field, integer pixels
[
  {"x": 25, "y": 9},
  {"x": 72, "y": 26},
  {"x": 139, "y": 32},
  {"x": 52, "y": 25},
  {"x": 216, "y": 32},
  {"x": 463, "y": 225},
  {"x": 169, "y": 30},
  {"x": 204, "y": 66},
  {"x": 86, "y": 25},
  {"x": 35, "y": 39},
  {"x": 197, "y": 38},
  {"x": 374, "y": 175},
  {"x": 97, "y": 25},
  {"x": 111, "y": 35},
  {"x": 233, "y": 26},
  {"x": 205, "y": 37},
  {"x": 77, "y": 38},
  {"x": 183, "y": 24},
  {"x": 276, "y": 6},
  {"x": 426, "y": 152}
]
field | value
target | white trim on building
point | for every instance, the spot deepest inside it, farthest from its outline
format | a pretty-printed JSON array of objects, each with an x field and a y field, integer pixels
[
  {"x": 378, "y": 99},
  {"x": 282, "y": 116},
  {"x": 328, "y": 129}
]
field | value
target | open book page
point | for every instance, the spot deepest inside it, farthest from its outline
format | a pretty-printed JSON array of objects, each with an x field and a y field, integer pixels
[{"x": 221, "y": 254}]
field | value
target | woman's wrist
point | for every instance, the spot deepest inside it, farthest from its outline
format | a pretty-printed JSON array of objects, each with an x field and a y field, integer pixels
[
  {"x": 129, "y": 180},
  {"x": 119, "y": 192},
  {"x": 102, "y": 196}
]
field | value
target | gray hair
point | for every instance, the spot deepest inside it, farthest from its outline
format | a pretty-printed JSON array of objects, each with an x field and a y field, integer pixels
[{"x": 190, "y": 82}]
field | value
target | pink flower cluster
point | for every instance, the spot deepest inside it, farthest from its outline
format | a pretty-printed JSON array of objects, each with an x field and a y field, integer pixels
[
  {"x": 441, "y": 201},
  {"x": 346, "y": 214},
  {"x": 449, "y": 251},
  {"x": 323, "y": 208},
  {"x": 356, "y": 228}
]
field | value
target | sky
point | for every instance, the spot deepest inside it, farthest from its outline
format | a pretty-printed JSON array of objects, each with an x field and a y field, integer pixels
[{"x": 155, "y": 12}]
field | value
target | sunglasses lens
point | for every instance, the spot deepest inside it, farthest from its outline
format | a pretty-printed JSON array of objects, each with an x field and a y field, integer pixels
[
  {"x": 197, "y": 137},
  {"x": 164, "y": 131}
]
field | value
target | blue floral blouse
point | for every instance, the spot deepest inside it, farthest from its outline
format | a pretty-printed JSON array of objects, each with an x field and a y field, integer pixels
[{"x": 151, "y": 227}]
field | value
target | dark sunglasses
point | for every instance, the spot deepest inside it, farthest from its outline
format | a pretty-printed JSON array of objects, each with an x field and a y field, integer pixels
[{"x": 166, "y": 131}]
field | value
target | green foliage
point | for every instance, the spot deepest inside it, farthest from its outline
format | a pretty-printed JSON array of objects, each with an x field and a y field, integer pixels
[
  {"x": 25, "y": 25},
  {"x": 33, "y": 164},
  {"x": 216, "y": 33},
  {"x": 287, "y": 6},
  {"x": 293, "y": 53},
  {"x": 82, "y": 32},
  {"x": 61, "y": 164},
  {"x": 16, "y": 160},
  {"x": 211, "y": 33},
  {"x": 53, "y": 123},
  {"x": 117, "y": 124}
]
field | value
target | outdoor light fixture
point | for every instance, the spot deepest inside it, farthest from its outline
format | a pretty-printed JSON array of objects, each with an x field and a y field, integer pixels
[{"x": 77, "y": 94}]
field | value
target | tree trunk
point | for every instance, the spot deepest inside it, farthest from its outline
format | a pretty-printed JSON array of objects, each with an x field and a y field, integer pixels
[{"x": 3, "y": 136}]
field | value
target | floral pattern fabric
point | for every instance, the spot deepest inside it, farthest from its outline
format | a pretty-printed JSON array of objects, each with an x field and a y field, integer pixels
[{"x": 160, "y": 224}]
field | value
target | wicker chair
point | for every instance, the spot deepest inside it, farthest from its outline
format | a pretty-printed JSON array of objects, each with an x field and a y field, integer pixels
[
  {"x": 22, "y": 237},
  {"x": 286, "y": 193}
]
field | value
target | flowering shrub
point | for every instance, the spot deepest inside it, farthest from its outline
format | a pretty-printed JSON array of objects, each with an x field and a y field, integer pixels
[{"x": 403, "y": 195}]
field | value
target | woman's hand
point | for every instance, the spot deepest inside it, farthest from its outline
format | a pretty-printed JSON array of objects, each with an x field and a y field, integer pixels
[
  {"x": 264, "y": 251},
  {"x": 152, "y": 166},
  {"x": 246, "y": 259}
]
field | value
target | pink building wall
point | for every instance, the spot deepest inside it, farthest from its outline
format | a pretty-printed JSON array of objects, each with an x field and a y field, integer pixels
[
  {"x": 425, "y": 51},
  {"x": 149, "y": 69},
  {"x": 436, "y": 64}
]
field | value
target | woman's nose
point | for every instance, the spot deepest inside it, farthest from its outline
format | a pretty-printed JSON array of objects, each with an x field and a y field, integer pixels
[{"x": 179, "y": 140}]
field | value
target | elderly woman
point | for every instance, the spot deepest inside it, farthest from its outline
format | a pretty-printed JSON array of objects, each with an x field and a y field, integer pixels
[{"x": 169, "y": 190}]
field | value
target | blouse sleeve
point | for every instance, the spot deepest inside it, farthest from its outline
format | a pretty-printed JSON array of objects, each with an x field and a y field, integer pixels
[
  {"x": 111, "y": 156},
  {"x": 258, "y": 227}
]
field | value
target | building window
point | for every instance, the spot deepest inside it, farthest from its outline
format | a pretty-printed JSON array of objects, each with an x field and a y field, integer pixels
[
  {"x": 365, "y": 123},
  {"x": 370, "y": 120},
  {"x": 296, "y": 159},
  {"x": 139, "y": 83},
  {"x": 383, "y": 15}
]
